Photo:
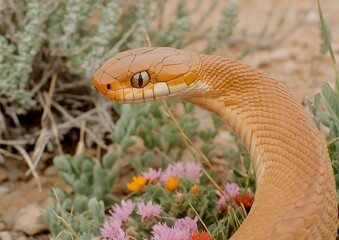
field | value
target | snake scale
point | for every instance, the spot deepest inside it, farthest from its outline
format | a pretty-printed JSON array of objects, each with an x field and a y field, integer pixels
[{"x": 296, "y": 194}]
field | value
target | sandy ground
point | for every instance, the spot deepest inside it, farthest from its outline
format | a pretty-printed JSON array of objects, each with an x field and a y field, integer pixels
[{"x": 290, "y": 52}]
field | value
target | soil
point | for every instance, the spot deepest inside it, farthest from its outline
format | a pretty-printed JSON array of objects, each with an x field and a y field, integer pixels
[{"x": 290, "y": 52}]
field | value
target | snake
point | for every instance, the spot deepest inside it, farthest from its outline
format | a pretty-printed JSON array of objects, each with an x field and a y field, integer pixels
[{"x": 296, "y": 195}]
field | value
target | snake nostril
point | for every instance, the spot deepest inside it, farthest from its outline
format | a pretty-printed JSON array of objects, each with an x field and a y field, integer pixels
[{"x": 108, "y": 86}]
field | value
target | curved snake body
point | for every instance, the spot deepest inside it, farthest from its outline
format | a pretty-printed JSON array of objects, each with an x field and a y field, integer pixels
[{"x": 296, "y": 195}]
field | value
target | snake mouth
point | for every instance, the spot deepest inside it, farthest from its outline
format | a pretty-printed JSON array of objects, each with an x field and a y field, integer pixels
[
  {"x": 137, "y": 100},
  {"x": 151, "y": 92}
]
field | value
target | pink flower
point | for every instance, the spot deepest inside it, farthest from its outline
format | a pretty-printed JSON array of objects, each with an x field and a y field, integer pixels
[
  {"x": 180, "y": 231},
  {"x": 175, "y": 170},
  {"x": 178, "y": 169},
  {"x": 121, "y": 235},
  {"x": 231, "y": 191},
  {"x": 193, "y": 171},
  {"x": 110, "y": 228},
  {"x": 187, "y": 224},
  {"x": 148, "y": 210},
  {"x": 122, "y": 213},
  {"x": 221, "y": 204},
  {"x": 161, "y": 231},
  {"x": 152, "y": 174}
]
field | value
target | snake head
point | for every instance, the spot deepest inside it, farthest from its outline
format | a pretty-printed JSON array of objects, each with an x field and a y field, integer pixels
[{"x": 147, "y": 74}]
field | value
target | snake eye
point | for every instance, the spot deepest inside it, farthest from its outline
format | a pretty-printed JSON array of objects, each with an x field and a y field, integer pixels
[{"x": 140, "y": 79}]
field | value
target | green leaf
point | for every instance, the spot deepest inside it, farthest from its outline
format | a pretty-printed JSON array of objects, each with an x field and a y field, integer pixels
[
  {"x": 331, "y": 100},
  {"x": 135, "y": 164},
  {"x": 109, "y": 160},
  {"x": 317, "y": 100},
  {"x": 67, "y": 204},
  {"x": 110, "y": 199},
  {"x": 87, "y": 167},
  {"x": 62, "y": 163},
  {"x": 99, "y": 175},
  {"x": 337, "y": 178},
  {"x": 81, "y": 187},
  {"x": 80, "y": 204},
  {"x": 325, "y": 118},
  {"x": 59, "y": 194},
  {"x": 111, "y": 177},
  {"x": 126, "y": 143},
  {"x": 146, "y": 159},
  {"x": 326, "y": 38},
  {"x": 68, "y": 178},
  {"x": 119, "y": 132},
  {"x": 97, "y": 210}
]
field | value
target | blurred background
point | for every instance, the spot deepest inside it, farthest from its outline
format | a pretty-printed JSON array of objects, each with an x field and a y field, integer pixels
[{"x": 50, "y": 49}]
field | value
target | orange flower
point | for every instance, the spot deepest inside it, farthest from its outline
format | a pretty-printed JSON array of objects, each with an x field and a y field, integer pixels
[
  {"x": 200, "y": 236},
  {"x": 172, "y": 183},
  {"x": 136, "y": 184},
  {"x": 195, "y": 190},
  {"x": 245, "y": 200}
]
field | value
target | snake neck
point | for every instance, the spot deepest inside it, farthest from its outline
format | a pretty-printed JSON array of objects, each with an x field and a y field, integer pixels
[{"x": 296, "y": 196}]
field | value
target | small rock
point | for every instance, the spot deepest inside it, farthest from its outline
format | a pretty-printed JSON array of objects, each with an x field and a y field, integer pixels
[
  {"x": 138, "y": 146},
  {"x": 15, "y": 172},
  {"x": 30, "y": 220},
  {"x": 4, "y": 190},
  {"x": 3, "y": 174},
  {"x": 5, "y": 236},
  {"x": 289, "y": 66},
  {"x": 51, "y": 171},
  {"x": 312, "y": 17},
  {"x": 22, "y": 238},
  {"x": 2, "y": 226},
  {"x": 186, "y": 156},
  {"x": 280, "y": 55}
]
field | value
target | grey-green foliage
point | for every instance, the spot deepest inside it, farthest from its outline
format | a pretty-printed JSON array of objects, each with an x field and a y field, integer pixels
[
  {"x": 330, "y": 119},
  {"x": 83, "y": 211},
  {"x": 225, "y": 27},
  {"x": 74, "y": 218},
  {"x": 82, "y": 34},
  {"x": 144, "y": 16},
  {"x": 150, "y": 122},
  {"x": 324, "y": 46},
  {"x": 16, "y": 57},
  {"x": 174, "y": 35},
  {"x": 331, "y": 97},
  {"x": 241, "y": 166},
  {"x": 89, "y": 178}
]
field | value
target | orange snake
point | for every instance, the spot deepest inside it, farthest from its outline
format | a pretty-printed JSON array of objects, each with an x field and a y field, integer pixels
[{"x": 296, "y": 194}]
